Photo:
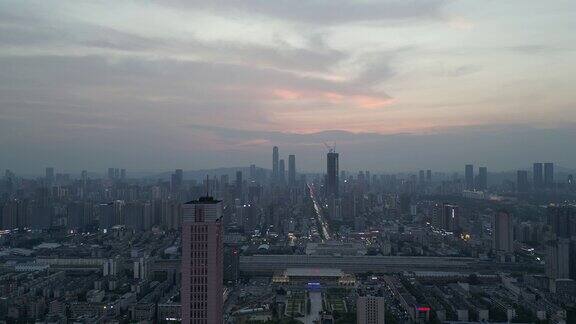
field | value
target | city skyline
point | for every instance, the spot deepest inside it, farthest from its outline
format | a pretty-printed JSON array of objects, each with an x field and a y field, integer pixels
[
  {"x": 374, "y": 247},
  {"x": 287, "y": 162},
  {"x": 479, "y": 172}
]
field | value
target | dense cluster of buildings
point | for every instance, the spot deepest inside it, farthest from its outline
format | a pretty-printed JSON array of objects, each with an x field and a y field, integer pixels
[{"x": 279, "y": 245}]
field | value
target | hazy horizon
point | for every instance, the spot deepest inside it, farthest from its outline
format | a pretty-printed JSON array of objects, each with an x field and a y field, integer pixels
[{"x": 510, "y": 149}]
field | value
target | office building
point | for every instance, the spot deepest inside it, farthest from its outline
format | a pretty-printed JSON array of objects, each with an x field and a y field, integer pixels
[
  {"x": 79, "y": 215},
  {"x": 561, "y": 250},
  {"x": 202, "y": 261},
  {"x": 231, "y": 263},
  {"x": 110, "y": 173},
  {"x": 138, "y": 215},
  {"x": 558, "y": 259},
  {"x": 370, "y": 310},
  {"x": 562, "y": 220},
  {"x": 291, "y": 170},
  {"x": 110, "y": 214},
  {"x": 282, "y": 171},
  {"x": 502, "y": 232},
  {"x": 482, "y": 178},
  {"x": 549, "y": 175},
  {"x": 13, "y": 215},
  {"x": 177, "y": 180},
  {"x": 537, "y": 175},
  {"x": 332, "y": 174},
  {"x": 239, "y": 184},
  {"x": 429, "y": 176},
  {"x": 275, "y": 157},
  {"x": 469, "y": 176},
  {"x": 450, "y": 217}
]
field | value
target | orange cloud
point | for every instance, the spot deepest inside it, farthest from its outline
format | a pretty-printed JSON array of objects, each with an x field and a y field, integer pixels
[
  {"x": 333, "y": 97},
  {"x": 360, "y": 101},
  {"x": 372, "y": 102},
  {"x": 285, "y": 94}
]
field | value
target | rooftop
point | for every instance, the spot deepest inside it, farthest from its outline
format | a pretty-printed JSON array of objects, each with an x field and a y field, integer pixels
[
  {"x": 203, "y": 200},
  {"x": 313, "y": 272}
]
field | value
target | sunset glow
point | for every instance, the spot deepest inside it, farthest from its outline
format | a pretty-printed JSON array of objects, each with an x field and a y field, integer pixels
[{"x": 147, "y": 73}]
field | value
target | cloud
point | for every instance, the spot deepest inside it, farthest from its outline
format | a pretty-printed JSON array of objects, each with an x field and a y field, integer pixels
[
  {"x": 326, "y": 12},
  {"x": 463, "y": 70},
  {"x": 137, "y": 75},
  {"x": 540, "y": 49},
  {"x": 124, "y": 89}
]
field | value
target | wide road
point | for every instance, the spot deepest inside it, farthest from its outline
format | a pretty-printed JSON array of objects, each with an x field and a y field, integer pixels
[
  {"x": 315, "y": 308},
  {"x": 320, "y": 219}
]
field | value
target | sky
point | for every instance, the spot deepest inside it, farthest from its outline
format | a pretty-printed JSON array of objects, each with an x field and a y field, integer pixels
[{"x": 398, "y": 85}]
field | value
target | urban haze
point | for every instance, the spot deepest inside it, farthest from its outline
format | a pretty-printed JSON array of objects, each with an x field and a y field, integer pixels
[{"x": 287, "y": 162}]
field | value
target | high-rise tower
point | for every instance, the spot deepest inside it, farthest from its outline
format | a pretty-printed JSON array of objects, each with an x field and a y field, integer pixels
[
  {"x": 370, "y": 310},
  {"x": 502, "y": 232},
  {"x": 275, "y": 157},
  {"x": 482, "y": 178},
  {"x": 239, "y": 182},
  {"x": 282, "y": 171},
  {"x": 332, "y": 174},
  {"x": 549, "y": 175},
  {"x": 291, "y": 169},
  {"x": 177, "y": 180},
  {"x": 450, "y": 217},
  {"x": 202, "y": 261},
  {"x": 537, "y": 175},
  {"x": 469, "y": 174}
]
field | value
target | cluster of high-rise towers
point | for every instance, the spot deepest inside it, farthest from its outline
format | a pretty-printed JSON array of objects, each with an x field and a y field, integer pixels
[
  {"x": 279, "y": 168},
  {"x": 476, "y": 183},
  {"x": 542, "y": 177}
]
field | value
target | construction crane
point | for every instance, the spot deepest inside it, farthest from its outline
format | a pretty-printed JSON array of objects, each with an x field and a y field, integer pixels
[{"x": 331, "y": 148}]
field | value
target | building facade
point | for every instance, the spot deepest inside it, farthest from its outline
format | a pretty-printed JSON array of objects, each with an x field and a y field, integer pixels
[
  {"x": 202, "y": 261},
  {"x": 332, "y": 174},
  {"x": 370, "y": 310},
  {"x": 502, "y": 232}
]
